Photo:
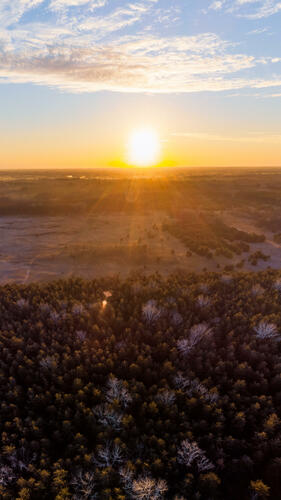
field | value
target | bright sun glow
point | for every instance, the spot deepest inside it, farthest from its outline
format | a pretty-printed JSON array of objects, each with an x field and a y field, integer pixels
[{"x": 144, "y": 148}]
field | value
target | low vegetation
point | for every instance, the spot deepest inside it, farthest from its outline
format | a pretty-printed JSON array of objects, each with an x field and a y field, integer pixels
[
  {"x": 256, "y": 256},
  {"x": 207, "y": 235}
]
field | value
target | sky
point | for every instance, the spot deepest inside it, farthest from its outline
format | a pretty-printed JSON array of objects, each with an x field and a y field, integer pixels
[{"x": 77, "y": 77}]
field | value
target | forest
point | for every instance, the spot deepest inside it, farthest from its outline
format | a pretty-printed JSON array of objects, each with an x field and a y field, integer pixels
[
  {"x": 145, "y": 387},
  {"x": 203, "y": 234}
]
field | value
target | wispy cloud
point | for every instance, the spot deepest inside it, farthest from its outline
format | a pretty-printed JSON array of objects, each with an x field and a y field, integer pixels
[
  {"x": 87, "y": 46},
  {"x": 252, "y": 9},
  {"x": 258, "y": 31},
  {"x": 65, "y": 4},
  {"x": 12, "y": 11},
  {"x": 262, "y": 137}
]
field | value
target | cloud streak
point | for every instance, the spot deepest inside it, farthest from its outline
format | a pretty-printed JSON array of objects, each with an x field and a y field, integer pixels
[
  {"x": 94, "y": 45},
  {"x": 249, "y": 138},
  {"x": 252, "y": 9}
]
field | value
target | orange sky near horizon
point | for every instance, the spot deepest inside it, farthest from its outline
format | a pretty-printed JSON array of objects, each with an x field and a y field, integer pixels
[
  {"x": 50, "y": 152},
  {"x": 77, "y": 77}
]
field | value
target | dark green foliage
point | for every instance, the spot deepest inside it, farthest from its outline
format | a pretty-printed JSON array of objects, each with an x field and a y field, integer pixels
[{"x": 64, "y": 344}]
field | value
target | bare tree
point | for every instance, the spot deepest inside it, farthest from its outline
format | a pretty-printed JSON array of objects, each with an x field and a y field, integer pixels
[
  {"x": 55, "y": 317},
  {"x": 184, "y": 346},
  {"x": 117, "y": 391},
  {"x": 194, "y": 386},
  {"x": 166, "y": 397},
  {"x": 151, "y": 312},
  {"x": 189, "y": 453},
  {"x": 266, "y": 330},
  {"x": 127, "y": 478},
  {"x": 143, "y": 488},
  {"x": 197, "y": 333},
  {"x": 181, "y": 382},
  {"x": 108, "y": 416},
  {"x": 22, "y": 303},
  {"x": 7, "y": 475},
  {"x": 20, "y": 459},
  {"x": 84, "y": 486},
  {"x": 108, "y": 456},
  {"x": 48, "y": 362},
  {"x": 147, "y": 488}
]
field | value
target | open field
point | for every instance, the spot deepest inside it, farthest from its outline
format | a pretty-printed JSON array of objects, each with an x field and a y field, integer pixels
[
  {"x": 42, "y": 248},
  {"x": 60, "y": 224}
]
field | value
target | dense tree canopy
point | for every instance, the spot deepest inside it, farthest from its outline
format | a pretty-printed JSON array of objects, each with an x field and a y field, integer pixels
[{"x": 144, "y": 388}]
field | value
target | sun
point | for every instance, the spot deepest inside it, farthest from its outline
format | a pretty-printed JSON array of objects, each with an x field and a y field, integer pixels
[{"x": 143, "y": 148}]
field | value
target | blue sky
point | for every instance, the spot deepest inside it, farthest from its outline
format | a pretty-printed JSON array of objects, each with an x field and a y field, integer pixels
[
  {"x": 211, "y": 68},
  {"x": 148, "y": 45}
]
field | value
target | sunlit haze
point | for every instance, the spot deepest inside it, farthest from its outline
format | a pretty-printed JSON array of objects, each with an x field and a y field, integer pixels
[
  {"x": 143, "y": 148},
  {"x": 79, "y": 77}
]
